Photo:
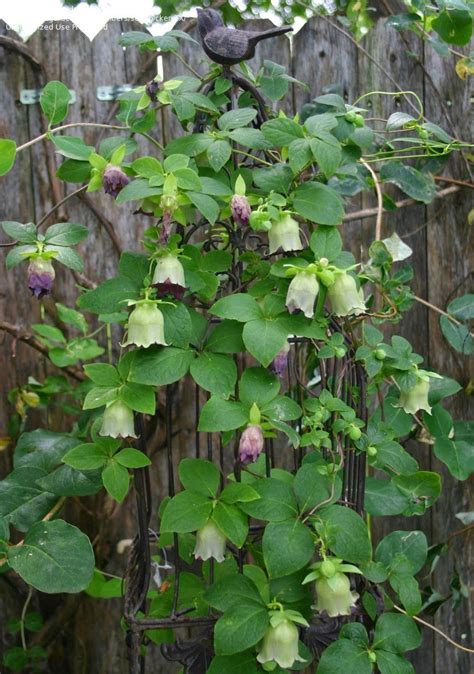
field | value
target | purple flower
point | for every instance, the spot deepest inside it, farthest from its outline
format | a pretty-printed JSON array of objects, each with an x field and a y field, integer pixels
[
  {"x": 240, "y": 210},
  {"x": 40, "y": 277},
  {"x": 114, "y": 180},
  {"x": 280, "y": 362},
  {"x": 151, "y": 88},
  {"x": 251, "y": 443}
]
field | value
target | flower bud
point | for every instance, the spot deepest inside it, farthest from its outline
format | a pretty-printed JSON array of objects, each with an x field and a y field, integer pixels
[
  {"x": 416, "y": 398},
  {"x": 354, "y": 432},
  {"x": 168, "y": 278},
  {"x": 280, "y": 645},
  {"x": 145, "y": 325},
  {"x": 31, "y": 398},
  {"x": 280, "y": 362},
  {"x": 117, "y": 421},
  {"x": 40, "y": 277},
  {"x": 241, "y": 210},
  {"x": 326, "y": 276},
  {"x": 284, "y": 234},
  {"x": 380, "y": 354},
  {"x": 151, "y": 88},
  {"x": 251, "y": 443},
  {"x": 344, "y": 296},
  {"x": 302, "y": 293},
  {"x": 334, "y": 595},
  {"x": 371, "y": 450},
  {"x": 210, "y": 542},
  {"x": 114, "y": 180}
]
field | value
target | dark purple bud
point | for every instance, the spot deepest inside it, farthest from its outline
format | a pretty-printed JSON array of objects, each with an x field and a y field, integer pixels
[
  {"x": 152, "y": 89},
  {"x": 280, "y": 362},
  {"x": 251, "y": 443},
  {"x": 40, "y": 277},
  {"x": 114, "y": 180},
  {"x": 240, "y": 210}
]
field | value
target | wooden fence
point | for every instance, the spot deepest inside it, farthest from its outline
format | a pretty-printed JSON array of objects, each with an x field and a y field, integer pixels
[{"x": 90, "y": 639}]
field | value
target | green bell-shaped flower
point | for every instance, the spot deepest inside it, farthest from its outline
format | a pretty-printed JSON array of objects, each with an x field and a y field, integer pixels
[
  {"x": 145, "y": 325},
  {"x": 117, "y": 421},
  {"x": 334, "y": 595},
  {"x": 416, "y": 398},
  {"x": 210, "y": 542},
  {"x": 284, "y": 234},
  {"x": 302, "y": 293},
  {"x": 345, "y": 299},
  {"x": 280, "y": 645}
]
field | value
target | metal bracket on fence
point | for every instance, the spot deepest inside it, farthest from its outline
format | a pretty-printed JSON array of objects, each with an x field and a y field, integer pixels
[
  {"x": 32, "y": 96},
  {"x": 111, "y": 93}
]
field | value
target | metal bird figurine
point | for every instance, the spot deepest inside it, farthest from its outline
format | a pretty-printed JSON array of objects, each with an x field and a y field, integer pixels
[{"x": 230, "y": 45}]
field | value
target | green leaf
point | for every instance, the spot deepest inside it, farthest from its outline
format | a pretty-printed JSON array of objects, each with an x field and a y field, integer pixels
[
  {"x": 237, "y": 492},
  {"x": 158, "y": 366},
  {"x": 138, "y": 397},
  {"x": 73, "y": 147},
  {"x": 222, "y": 415},
  {"x": 49, "y": 332},
  {"x": 282, "y": 131},
  {"x": 318, "y": 203},
  {"x": 22, "y": 501},
  {"x": 132, "y": 458},
  {"x": 278, "y": 178},
  {"x": 200, "y": 476},
  {"x": 299, "y": 154},
  {"x": 344, "y": 656},
  {"x": 408, "y": 590},
  {"x": 396, "y": 633},
  {"x": 88, "y": 456},
  {"x": 282, "y": 408},
  {"x": 458, "y": 336},
  {"x": 191, "y": 145},
  {"x": 287, "y": 547},
  {"x": 215, "y": 372},
  {"x": 276, "y": 503},
  {"x": 22, "y": 233},
  {"x": 232, "y": 522},
  {"x": 75, "y": 350},
  {"x": 226, "y": 338},
  {"x": 218, "y": 154},
  {"x": 73, "y": 171},
  {"x": 326, "y": 242},
  {"x": 417, "y": 185},
  {"x": 137, "y": 189},
  {"x": 327, "y": 152},
  {"x": 17, "y": 255},
  {"x": 454, "y": 26},
  {"x": 71, "y": 317},
  {"x": 347, "y": 532},
  {"x": 423, "y": 488},
  {"x": 233, "y": 664},
  {"x": 241, "y": 627},
  {"x": 258, "y": 385},
  {"x": 116, "y": 480},
  {"x": 236, "y": 118},
  {"x": 390, "y": 663},
  {"x": 7, "y": 155},
  {"x": 65, "y": 234},
  {"x": 226, "y": 593},
  {"x": 66, "y": 256},
  {"x": 99, "y": 396},
  {"x": 102, "y": 374},
  {"x": 206, "y": 205},
  {"x": 392, "y": 455},
  {"x": 185, "y": 512},
  {"x": 457, "y": 456},
  {"x": 239, "y": 307},
  {"x": 412, "y": 545},
  {"x": 264, "y": 338},
  {"x": 383, "y": 498},
  {"x": 312, "y": 488},
  {"x": 55, "y": 557},
  {"x": 462, "y": 307},
  {"x": 54, "y": 101}
]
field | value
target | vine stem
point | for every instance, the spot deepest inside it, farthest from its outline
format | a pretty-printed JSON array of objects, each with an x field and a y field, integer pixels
[
  {"x": 22, "y": 618},
  {"x": 60, "y": 203},
  {"x": 438, "y": 310},
  {"x": 378, "y": 223},
  {"x": 70, "y": 126},
  {"x": 437, "y": 630}
]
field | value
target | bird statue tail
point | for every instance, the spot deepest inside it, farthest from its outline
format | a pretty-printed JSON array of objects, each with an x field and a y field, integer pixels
[{"x": 271, "y": 32}]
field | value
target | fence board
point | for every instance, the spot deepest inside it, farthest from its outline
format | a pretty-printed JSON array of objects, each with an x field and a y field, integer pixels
[{"x": 438, "y": 235}]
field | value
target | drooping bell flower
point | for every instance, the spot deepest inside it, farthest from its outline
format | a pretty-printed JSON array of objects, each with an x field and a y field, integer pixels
[
  {"x": 114, "y": 180},
  {"x": 280, "y": 645},
  {"x": 334, "y": 595},
  {"x": 145, "y": 325},
  {"x": 241, "y": 210},
  {"x": 280, "y": 362},
  {"x": 168, "y": 277},
  {"x": 151, "y": 89},
  {"x": 251, "y": 443},
  {"x": 210, "y": 542},
  {"x": 284, "y": 234},
  {"x": 40, "y": 276},
  {"x": 302, "y": 293},
  {"x": 416, "y": 398},
  {"x": 345, "y": 299},
  {"x": 117, "y": 421}
]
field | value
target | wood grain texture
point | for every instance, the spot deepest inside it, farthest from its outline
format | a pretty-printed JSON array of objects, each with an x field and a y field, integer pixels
[{"x": 439, "y": 236}]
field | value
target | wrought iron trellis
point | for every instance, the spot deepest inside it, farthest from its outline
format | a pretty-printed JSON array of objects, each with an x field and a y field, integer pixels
[{"x": 343, "y": 376}]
